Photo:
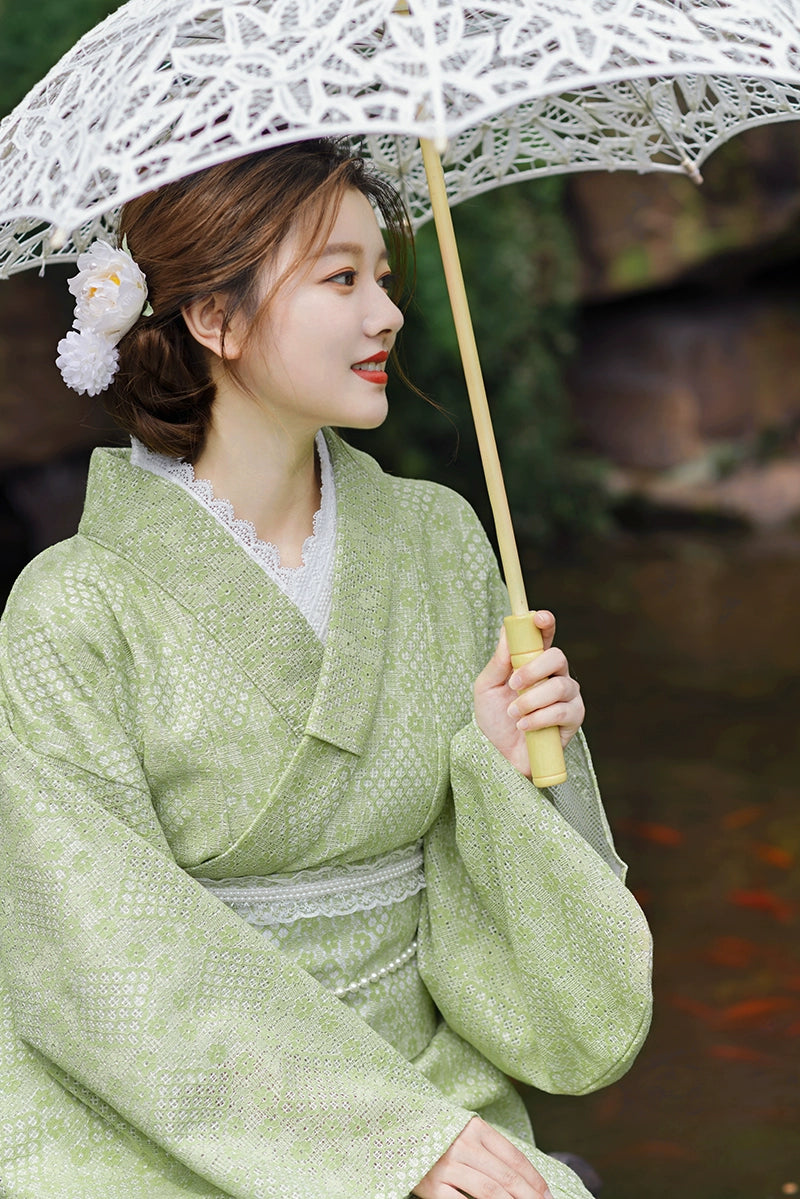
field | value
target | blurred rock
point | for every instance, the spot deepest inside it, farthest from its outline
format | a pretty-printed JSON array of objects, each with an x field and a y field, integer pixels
[
  {"x": 637, "y": 232},
  {"x": 14, "y": 548},
  {"x": 48, "y": 499},
  {"x": 664, "y": 380},
  {"x": 40, "y": 418},
  {"x": 46, "y": 430},
  {"x": 688, "y": 368},
  {"x": 764, "y": 495}
]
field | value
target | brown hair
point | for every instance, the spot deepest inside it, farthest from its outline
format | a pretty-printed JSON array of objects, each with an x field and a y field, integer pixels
[{"x": 213, "y": 232}]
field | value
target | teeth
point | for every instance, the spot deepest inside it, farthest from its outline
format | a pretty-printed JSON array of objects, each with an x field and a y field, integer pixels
[{"x": 368, "y": 366}]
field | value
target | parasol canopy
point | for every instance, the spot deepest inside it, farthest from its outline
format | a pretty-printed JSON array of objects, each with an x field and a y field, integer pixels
[{"x": 507, "y": 90}]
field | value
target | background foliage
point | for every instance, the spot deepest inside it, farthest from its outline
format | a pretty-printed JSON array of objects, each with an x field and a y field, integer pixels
[
  {"x": 520, "y": 265},
  {"x": 519, "y": 262},
  {"x": 35, "y": 33}
]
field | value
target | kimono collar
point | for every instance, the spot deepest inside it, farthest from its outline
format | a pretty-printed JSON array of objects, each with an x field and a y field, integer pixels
[{"x": 329, "y": 692}]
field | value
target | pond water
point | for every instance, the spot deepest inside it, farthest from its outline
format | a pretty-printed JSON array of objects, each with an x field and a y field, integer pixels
[{"x": 688, "y": 652}]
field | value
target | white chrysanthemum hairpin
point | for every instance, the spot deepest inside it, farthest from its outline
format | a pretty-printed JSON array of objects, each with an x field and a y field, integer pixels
[{"x": 110, "y": 295}]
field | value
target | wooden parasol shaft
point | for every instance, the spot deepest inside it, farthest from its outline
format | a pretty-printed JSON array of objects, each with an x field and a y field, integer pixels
[
  {"x": 509, "y": 555},
  {"x": 524, "y": 638}
]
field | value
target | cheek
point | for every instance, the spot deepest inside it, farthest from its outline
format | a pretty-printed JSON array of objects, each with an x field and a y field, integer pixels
[
  {"x": 328, "y": 340},
  {"x": 314, "y": 338}
]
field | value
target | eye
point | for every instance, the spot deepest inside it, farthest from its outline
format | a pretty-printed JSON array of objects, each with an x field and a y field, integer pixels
[
  {"x": 345, "y": 278},
  {"x": 388, "y": 282}
]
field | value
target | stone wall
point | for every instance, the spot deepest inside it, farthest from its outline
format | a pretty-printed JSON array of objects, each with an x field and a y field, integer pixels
[
  {"x": 47, "y": 432},
  {"x": 687, "y": 376}
]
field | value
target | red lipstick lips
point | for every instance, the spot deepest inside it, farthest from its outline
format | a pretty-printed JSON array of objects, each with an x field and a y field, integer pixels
[{"x": 371, "y": 372}]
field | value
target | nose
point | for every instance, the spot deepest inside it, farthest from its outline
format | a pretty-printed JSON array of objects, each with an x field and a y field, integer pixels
[{"x": 383, "y": 315}]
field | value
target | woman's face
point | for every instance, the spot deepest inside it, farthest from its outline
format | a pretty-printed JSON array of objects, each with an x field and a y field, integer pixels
[{"x": 320, "y": 356}]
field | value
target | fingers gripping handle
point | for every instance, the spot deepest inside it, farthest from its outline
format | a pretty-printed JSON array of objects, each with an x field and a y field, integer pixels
[{"x": 544, "y": 745}]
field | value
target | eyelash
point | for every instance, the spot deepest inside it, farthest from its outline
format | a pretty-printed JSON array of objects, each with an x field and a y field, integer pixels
[{"x": 387, "y": 281}]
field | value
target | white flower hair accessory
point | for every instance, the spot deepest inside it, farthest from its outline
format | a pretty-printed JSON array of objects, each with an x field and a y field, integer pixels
[{"x": 110, "y": 295}]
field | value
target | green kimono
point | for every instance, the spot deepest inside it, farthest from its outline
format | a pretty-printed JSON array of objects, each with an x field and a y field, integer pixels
[{"x": 168, "y": 716}]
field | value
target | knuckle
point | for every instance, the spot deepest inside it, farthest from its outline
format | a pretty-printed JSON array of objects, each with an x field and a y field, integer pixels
[
  {"x": 545, "y": 718},
  {"x": 518, "y": 1160},
  {"x": 560, "y": 658},
  {"x": 508, "y": 1177}
]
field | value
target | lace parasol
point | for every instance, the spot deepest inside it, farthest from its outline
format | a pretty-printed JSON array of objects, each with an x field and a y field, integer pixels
[{"x": 512, "y": 88}]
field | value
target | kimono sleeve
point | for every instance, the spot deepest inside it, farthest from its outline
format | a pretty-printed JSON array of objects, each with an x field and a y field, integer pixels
[
  {"x": 530, "y": 944},
  {"x": 147, "y": 997}
]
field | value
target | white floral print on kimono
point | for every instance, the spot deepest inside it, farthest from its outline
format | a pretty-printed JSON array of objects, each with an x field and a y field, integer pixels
[{"x": 168, "y": 716}]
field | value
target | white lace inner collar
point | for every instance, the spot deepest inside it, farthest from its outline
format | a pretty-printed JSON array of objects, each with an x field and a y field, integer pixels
[{"x": 308, "y": 585}]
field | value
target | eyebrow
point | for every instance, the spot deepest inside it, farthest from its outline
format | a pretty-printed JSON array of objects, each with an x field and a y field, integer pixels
[{"x": 348, "y": 247}]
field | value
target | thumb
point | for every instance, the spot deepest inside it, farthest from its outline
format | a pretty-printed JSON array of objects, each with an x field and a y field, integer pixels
[
  {"x": 497, "y": 670},
  {"x": 546, "y": 622}
]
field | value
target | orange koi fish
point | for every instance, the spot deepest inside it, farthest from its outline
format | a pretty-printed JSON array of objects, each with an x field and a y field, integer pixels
[
  {"x": 738, "y": 1053},
  {"x": 649, "y": 830},
  {"x": 733, "y": 951},
  {"x": 754, "y": 1009},
  {"x": 773, "y": 855},
  {"x": 741, "y": 817},
  {"x": 763, "y": 901},
  {"x": 695, "y": 1007}
]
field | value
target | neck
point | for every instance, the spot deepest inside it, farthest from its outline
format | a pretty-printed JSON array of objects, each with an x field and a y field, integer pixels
[{"x": 268, "y": 473}]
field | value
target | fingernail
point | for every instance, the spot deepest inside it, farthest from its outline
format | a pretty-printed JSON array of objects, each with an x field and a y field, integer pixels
[
  {"x": 514, "y": 681},
  {"x": 513, "y": 711}
]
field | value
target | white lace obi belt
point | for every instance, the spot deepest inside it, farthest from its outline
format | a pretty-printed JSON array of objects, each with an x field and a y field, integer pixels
[{"x": 276, "y": 901}]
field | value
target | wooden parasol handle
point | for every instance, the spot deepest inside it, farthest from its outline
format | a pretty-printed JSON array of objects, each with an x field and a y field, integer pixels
[{"x": 525, "y": 641}]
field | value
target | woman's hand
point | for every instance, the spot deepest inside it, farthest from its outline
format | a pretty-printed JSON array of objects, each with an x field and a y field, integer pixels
[
  {"x": 547, "y": 696},
  {"x": 482, "y": 1164}
]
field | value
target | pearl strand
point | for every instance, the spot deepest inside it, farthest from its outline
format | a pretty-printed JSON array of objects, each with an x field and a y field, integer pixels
[{"x": 376, "y": 975}]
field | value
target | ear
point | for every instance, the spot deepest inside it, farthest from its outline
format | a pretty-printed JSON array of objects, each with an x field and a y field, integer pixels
[{"x": 204, "y": 320}]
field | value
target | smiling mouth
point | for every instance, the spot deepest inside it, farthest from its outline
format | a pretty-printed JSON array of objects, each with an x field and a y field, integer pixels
[{"x": 371, "y": 369}]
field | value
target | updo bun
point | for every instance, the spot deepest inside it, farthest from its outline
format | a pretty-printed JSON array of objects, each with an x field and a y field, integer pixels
[
  {"x": 164, "y": 389},
  {"x": 212, "y": 233}
]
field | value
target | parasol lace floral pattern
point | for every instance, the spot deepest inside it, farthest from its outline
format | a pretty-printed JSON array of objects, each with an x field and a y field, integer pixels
[{"x": 514, "y": 89}]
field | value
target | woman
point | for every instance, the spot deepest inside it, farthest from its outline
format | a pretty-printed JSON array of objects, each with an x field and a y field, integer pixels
[{"x": 281, "y": 908}]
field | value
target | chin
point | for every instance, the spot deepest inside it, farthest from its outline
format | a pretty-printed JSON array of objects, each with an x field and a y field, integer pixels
[{"x": 366, "y": 420}]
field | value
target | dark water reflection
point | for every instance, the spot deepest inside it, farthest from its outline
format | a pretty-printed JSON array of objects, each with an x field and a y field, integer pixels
[{"x": 688, "y": 651}]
